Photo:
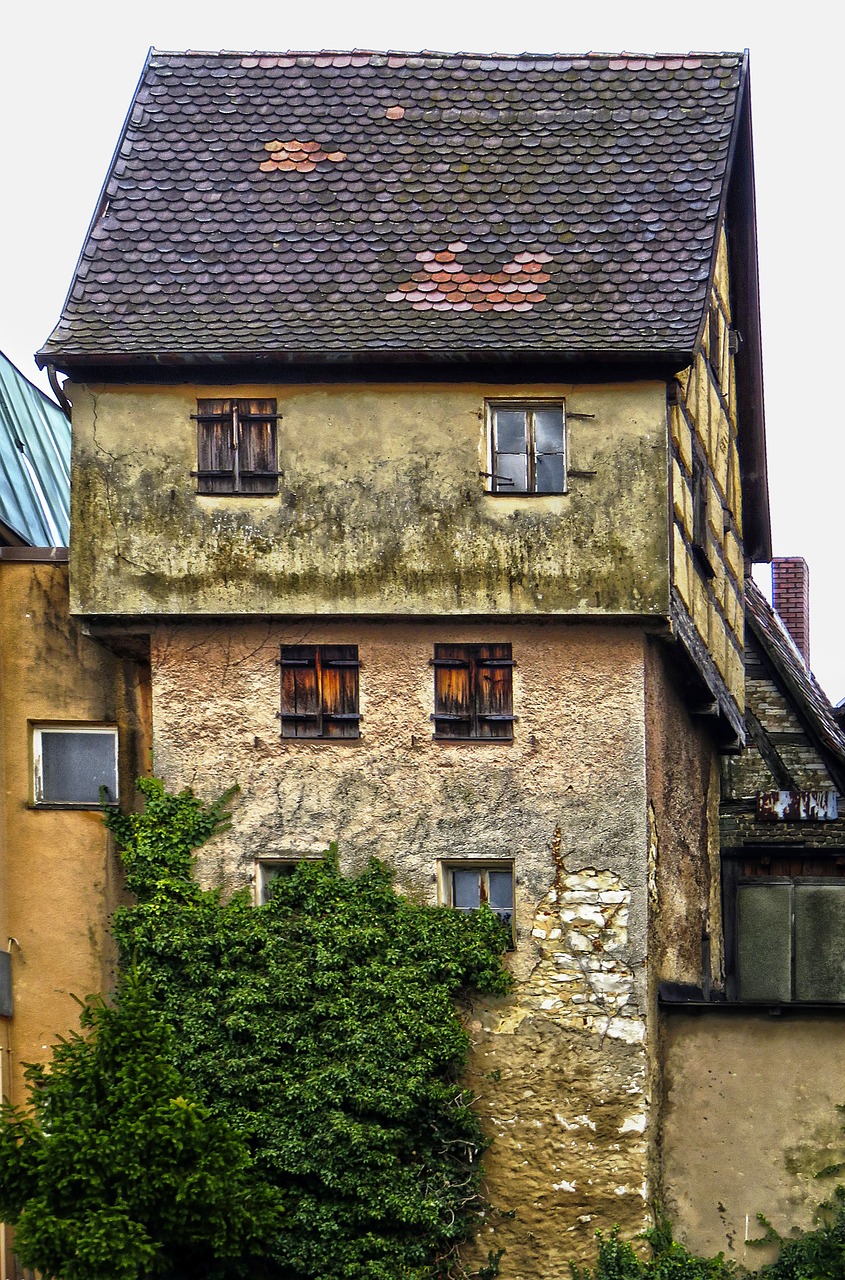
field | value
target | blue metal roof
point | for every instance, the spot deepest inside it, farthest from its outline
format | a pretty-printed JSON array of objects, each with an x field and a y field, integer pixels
[{"x": 34, "y": 462}]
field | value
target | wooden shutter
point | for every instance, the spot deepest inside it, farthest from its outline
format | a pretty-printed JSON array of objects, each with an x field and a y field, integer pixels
[
  {"x": 493, "y": 691},
  {"x": 215, "y": 452},
  {"x": 339, "y": 690},
  {"x": 257, "y": 446},
  {"x": 453, "y": 712},
  {"x": 301, "y": 713}
]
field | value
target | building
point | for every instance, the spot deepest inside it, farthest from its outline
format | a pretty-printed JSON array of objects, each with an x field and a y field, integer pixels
[
  {"x": 65, "y": 703},
  {"x": 419, "y": 443},
  {"x": 760, "y": 1055}
]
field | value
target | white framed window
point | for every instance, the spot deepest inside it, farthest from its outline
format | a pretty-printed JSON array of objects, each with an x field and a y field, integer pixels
[
  {"x": 74, "y": 765},
  {"x": 527, "y": 446},
  {"x": 466, "y": 885},
  {"x": 269, "y": 870}
]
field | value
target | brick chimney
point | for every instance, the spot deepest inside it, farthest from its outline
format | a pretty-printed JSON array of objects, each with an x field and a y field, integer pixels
[{"x": 791, "y": 599}]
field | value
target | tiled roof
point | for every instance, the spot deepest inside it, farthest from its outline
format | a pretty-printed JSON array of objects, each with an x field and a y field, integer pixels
[
  {"x": 807, "y": 695},
  {"x": 34, "y": 463},
  {"x": 349, "y": 202}
]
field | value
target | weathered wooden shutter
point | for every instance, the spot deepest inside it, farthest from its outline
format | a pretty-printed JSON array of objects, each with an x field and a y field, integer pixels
[
  {"x": 453, "y": 712},
  {"x": 301, "y": 713},
  {"x": 257, "y": 446},
  {"x": 215, "y": 451},
  {"x": 339, "y": 690},
  {"x": 493, "y": 691}
]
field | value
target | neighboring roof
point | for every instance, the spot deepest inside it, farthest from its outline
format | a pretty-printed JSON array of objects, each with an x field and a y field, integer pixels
[
  {"x": 800, "y": 685},
  {"x": 333, "y": 204},
  {"x": 34, "y": 463}
]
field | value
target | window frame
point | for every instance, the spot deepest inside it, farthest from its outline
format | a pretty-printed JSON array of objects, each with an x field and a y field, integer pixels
[
  {"x": 294, "y": 658},
  {"x": 233, "y": 412},
  {"x": 447, "y": 867},
  {"x": 285, "y": 862},
  {"x": 473, "y": 658},
  {"x": 828, "y": 871},
  {"x": 529, "y": 405},
  {"x": 38, "y": 730}
]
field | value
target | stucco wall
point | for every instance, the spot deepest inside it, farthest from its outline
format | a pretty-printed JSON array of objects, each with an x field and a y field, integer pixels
[
  {"x": 60, "y": 874},
  {"x": 382, "y": 507},
  {"x": 561, "y": 1067},
  {"x": 750, "y": 1117},
  {"x": 705, "y": 415}
]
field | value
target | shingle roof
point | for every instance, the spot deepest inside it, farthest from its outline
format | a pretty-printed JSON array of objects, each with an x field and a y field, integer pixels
[
  {"x": 351, "y": 202},
  {"x": 34, "y": 463},
  {"x": 807, "y": 695}
]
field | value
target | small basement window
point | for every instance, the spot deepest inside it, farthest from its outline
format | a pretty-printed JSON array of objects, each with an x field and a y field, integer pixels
[
  {"x": 473, "y": 692},
  {"x": 320, "y": 691},
  {"x": 71, "y": 763},
  {"x": 527, "y": 447},
  {"x": 785, "y": 926},
  {"x": 468, "y": 885},
  {"x": 236, "y": 447}
]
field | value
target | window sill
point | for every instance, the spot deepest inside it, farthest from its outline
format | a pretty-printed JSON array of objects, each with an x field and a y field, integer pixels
[
  {"x": 93, "y": 807},
  {"x": 472, "y": 742}
]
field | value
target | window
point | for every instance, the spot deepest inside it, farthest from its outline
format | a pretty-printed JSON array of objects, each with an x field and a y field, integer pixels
[
  {"x": 699, "y": 510},
  {"x": 473, "y": 696},
  {"x": 236, "y": 446},
  {"x": 466, "y": 885},
  {"x": 320, "y": 691},
  {"x": 527, "y": 447},
  {"x": 785, "y": 926},
  {"x": 72, "y": 763},
  {"x": 269, "y": 870}
]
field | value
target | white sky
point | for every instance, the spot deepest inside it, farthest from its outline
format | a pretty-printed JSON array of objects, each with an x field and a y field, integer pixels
[{"x": 68, "y": 71}]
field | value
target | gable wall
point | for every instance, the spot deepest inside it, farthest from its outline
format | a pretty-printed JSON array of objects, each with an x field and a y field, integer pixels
[{"x": 706, "y": 413}]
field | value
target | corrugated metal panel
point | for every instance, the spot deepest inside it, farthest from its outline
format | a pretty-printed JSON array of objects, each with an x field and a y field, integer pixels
[{"x": 34, "y": 462}]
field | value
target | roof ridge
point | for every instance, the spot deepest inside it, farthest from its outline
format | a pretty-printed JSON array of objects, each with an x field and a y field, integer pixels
[{"x": 447, "y": 53}]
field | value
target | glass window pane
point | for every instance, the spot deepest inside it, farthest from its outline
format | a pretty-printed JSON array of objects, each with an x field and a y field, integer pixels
[
  {"x": 510, "y": 430},
  {"x": 501, "y": 890},
  {"x": 465, "y": 890},
  {"x": 550, "y": 473},
  {"x": 75, "y": 765},
  {"x": 764, "y": 941},
  {"x": 510, "y": 473},
  {"x": 548, "y": 430},
  {"x": 819, "y": 942}
]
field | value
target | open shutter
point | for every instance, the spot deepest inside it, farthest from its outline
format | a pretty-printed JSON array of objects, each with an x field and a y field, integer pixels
[
  {"x": 493, "y": 691},
  {"x": 453, "y": 716},
  {"x": 764, "y": 941},
  {"x": 339, "y": 690},
  {"x": 257, "y": 446},
  {"x": 215, "y": 452},
  {"x": 301, "y": 713}
]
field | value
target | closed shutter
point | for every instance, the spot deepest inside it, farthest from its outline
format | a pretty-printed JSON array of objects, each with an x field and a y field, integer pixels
[
  {"x": 257, "y": 446},
  {"x": 493, "y": 691},
  {"x": 764, "y": 942},
  {"x": 215, "y": 449},
  {"x": 339, "y": 690},
  {"x": 819, "y": 942},
  {"x": 301, "y": 716},
  {"x": 453, "y": 710}
]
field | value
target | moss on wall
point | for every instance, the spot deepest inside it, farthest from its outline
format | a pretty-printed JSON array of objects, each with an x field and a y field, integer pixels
[{"x": 383, "y": 508}]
